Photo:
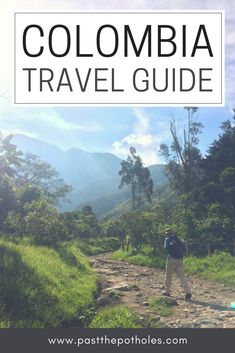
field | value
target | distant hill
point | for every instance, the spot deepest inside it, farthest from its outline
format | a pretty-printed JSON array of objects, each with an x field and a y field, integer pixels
[
  {"x": 77, "y": 167},
  {"x": 93, "y": 176},
  {"x": 162, "y": 194},
  {"x": 105, "y": 195}
]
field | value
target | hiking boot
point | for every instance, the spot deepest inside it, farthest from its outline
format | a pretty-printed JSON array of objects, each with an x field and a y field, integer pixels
[
  {"x": 166, "y": 294},
  {"x": 188, "y": 296}
]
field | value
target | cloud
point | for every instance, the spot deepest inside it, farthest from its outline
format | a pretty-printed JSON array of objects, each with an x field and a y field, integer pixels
[
  {"x": 44, "y": 123},
  {"x": 146, "y": 143}
]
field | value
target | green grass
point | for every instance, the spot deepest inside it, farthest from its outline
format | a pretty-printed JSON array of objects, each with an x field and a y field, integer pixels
[
  {"x": 217, "y": 267},
  {"x": 114, "y": 317},
  {"x": 140, "y": 259},
  {"x": 44, "y": 287},
  {"x": 94, "y": 246},
  {"x": 162, "y": 306}
]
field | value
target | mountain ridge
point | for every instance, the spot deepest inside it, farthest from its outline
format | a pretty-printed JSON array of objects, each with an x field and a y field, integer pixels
[{"x": 93, "y": 175}]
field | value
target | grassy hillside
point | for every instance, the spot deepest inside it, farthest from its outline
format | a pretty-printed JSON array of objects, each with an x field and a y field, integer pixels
[
  {"x": 102, "y": 206},
  {"x": 42, "y": 287},
  {"x": 162, "y": 193},
  {"x": 107, "y": 200}
]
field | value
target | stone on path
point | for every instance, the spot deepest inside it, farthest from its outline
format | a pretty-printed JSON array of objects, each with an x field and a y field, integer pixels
[
  {"x": 145, "y": 304},
  {"x": 121, "y": 286}
]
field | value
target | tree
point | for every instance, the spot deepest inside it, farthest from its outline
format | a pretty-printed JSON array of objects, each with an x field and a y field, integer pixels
[
  {"x": 115, "y": 228},
  {"x": 43, "y": 224},
  {"x": 227, "y": 178},
  {"x": 87, "y": 210},
  {"x": 28, "y": 194},
  {"x": 81, "y": 224},
  {"x": 183, "y": 157},
  {"x": 138, "y": 177},
  {"x": 137, "y": 227},
  {"x": 10, "y": 158},
  {"x": 219, "y": 170},
  {"x": 7, "y": 198},
  {"x": 39, "y": 220},
  {"x": 28, "y": 170},
  {"x": 216, "y": 226},
  {"x": 34, "y": 172},
  {"x": 221, "y": 153}
]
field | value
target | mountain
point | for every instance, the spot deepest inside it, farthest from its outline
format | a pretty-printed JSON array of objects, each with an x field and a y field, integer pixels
[
  {"x": 77, "y": 167},
  {"x": 105, "y": 195},
  {"x": 93, "y": 176}
]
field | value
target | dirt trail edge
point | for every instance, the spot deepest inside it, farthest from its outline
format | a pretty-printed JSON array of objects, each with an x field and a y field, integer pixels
[{"x": 133, "y": 286}]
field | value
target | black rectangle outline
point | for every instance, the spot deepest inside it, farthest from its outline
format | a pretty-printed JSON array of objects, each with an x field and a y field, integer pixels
[{"x": 123, "y": 12}]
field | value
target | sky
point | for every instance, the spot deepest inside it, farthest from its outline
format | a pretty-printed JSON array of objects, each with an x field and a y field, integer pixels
[{"x": 108, "y": 129}]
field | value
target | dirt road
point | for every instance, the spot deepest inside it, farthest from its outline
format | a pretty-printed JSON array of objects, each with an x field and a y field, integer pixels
[{"x": 209, "y": 306}]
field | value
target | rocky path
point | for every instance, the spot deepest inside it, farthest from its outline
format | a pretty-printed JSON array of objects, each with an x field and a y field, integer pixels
[{"x": 133, "y": 286}]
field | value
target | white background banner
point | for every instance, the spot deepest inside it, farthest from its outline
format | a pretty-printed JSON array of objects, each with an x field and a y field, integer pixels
[{"x": 122, "y": 58}]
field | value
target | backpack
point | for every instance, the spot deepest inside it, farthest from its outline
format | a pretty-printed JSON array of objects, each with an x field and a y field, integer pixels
[{"x": 178, "y": 249}]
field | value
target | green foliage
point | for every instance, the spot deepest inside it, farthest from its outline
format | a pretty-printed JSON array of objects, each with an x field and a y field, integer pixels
[
  {"x": 136, "y": 226},
  {"x": 27, "y": 194},
  {"x": 97, "y": 245},
  {"x": 143, "y": 231},
  {"x": 218, "y": 267},
  {"x": 162, "y": 306},
  {"x": 10, "y": 158},
  {"x": 227, "y": 179},
  {"x": 42, "y": 287},
  {"x": 87, "y": 210},
  {"x": 29, "y": 170},
  {"x": 216, "y": 227},
  {"x": 115, "y": 228},
  {"x": 138, "y": 177},
  {"x": 81, "y": 224},
  {"x": 221, "y": 152},
  {"x": 43, "y": 223},
  {"x": 205, "y": 187},
  {"x": 211, "y": 192},
  {"x": 34, "y": 172},
  {"x": 115, "y": 317},
  {"x": 183, "y": 222},
  {"x": 28, "y": 188},
  {"x": 7, "y": 198},
  {"x": 218, "y": 183},
  {"x": 40, "y": 220},
  {"x": 183, "y": 156}
]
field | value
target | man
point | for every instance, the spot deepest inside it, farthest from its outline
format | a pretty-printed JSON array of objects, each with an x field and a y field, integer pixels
[{"x": 175, "y": 249}]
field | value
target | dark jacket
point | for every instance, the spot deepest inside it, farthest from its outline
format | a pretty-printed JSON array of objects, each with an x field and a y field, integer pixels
[{"x": 175, "y": 247}]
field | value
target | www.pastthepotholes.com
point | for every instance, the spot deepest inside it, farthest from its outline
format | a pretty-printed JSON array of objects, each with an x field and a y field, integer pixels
[{"x": 118, "y": 341}]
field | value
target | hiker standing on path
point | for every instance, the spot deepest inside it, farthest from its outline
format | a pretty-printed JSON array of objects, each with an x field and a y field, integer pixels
[{"x": 175, "y": 249}]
